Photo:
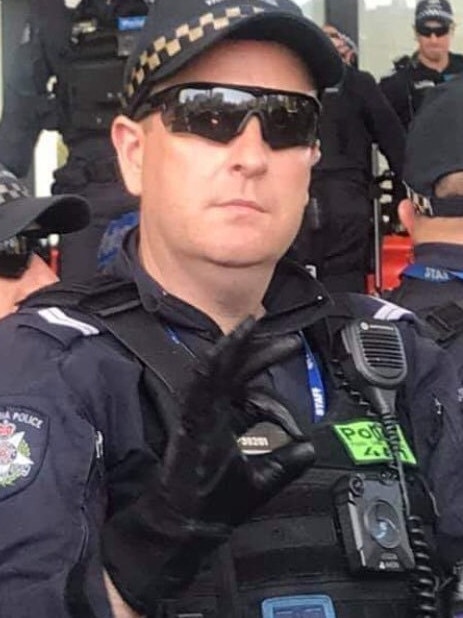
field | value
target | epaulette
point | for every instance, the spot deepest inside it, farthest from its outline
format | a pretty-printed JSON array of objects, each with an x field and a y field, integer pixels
[
  {"x": 63, "y": 325},
  {"x": 362, "y": 305},
  {"x": 69, "y": 312}
]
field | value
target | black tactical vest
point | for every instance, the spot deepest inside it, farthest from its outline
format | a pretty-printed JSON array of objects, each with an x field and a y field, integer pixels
[
  {"x": 102, "y": 36},
  {"x": 301, "y": 542},
  {"x": 296, "y": 544}
]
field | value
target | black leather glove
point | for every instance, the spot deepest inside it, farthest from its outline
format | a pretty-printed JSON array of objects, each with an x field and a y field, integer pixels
[{"x": 205, "y": 483}]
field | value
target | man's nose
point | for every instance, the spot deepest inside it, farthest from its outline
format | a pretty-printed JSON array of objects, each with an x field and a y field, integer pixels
[{"x": 250, "y": 151}]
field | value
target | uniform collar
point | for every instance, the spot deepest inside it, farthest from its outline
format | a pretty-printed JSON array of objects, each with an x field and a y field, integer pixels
[
  {"x": 454, "y": 64},
  {"x": 439, "y": 255},
  {"x": 294, "y": 300}
]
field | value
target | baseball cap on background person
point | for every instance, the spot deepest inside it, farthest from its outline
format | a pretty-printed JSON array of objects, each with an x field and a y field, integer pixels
[
  {"x": 57, "y": 214},
  {"x": 435, "y": 10},
  {"x": 434, "y": 149},
  {"x": 176, "y": 31},
  {"x": 24, "y": 220}
]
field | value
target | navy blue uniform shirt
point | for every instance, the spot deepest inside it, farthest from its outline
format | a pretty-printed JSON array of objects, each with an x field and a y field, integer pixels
[{"x": 71, "y": 420}]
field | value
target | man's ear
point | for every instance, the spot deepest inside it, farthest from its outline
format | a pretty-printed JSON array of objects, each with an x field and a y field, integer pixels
[
  {"x": 128, "y": 138},
  {"x": 407, "y": 215}
]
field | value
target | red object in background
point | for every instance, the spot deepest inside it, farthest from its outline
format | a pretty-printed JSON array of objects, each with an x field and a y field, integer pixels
[
  {"x": 396, "y": 255},
  {"x": 54, "y": 260}
]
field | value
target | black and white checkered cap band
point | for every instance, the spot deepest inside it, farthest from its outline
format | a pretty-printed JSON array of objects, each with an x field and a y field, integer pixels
[
  {"x": 437, "y": 14},
  {"x": 422, "y": 204},
  {"x": 11, "y": 191},
  {"x": 164, "y": 48}
]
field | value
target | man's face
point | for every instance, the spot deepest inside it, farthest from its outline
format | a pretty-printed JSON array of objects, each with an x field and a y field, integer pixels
[
  {"x": 434, "y": 45},
  {"x": 237, "y": 204}
]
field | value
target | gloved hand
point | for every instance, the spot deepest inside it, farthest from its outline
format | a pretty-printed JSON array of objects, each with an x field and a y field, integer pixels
[{"x": 155, "y": 544}]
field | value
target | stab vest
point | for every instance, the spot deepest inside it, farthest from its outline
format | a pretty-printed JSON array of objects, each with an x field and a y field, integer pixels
[
  {"x": 90, "y": 88},
  {"x": 294, "y": 544}
]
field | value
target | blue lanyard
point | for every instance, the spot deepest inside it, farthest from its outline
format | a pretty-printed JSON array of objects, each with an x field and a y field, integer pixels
[
  {"x": 314, "y": 377},
  {"x": 431, "y": 273},
  {"x": 315, "y": 383}
]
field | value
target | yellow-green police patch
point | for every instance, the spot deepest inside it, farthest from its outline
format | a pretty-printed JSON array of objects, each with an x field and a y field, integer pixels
[{"x": 365, "y": 443}]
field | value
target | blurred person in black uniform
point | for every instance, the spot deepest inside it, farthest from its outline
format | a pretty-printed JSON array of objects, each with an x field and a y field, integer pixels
[
  {"x": 355, "y": 114},
  {"x": 24, "y": 222},
  {"x": 67, "y": 76},
  {"x": 433, "y": 212},
  {"x": 432, "y": 286},
  {"x": 431, "y": 64}
]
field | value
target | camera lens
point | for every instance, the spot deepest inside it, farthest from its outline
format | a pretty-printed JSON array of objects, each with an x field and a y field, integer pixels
[{"x": 383, "y": 523}]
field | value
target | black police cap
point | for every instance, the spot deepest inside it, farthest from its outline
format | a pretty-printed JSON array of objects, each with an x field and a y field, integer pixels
[
  {"x": 435, "y": 10},
  {"x": 176, "y": 31},
  {"x": 434, "y": 145},
  {"x": 58, "y": 214}
]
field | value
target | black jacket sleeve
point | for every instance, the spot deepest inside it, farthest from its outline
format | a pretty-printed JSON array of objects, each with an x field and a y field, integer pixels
[
  {"x": 382, "y": 121},
  {"x": 26, "y": 102},
  {"x": 397, "y": 90}
]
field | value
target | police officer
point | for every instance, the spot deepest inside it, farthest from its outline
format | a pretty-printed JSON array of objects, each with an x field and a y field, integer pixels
[
  {"x": 431, "y": 64},
  {"x": 355, "y": 115},
  {"x": 25, "y": 224},
  {"x": 432, "y": 285},
  {"x": 120, "y": 462},
  {"x": 66, "y": 75},
  {"x": 433, "y": 213}
]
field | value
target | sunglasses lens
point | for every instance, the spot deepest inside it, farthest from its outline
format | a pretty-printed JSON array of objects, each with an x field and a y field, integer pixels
[
  {"x": 15, "y": 254},
  {"x": 211, "y": 113},
  {"x": 290, "y": 121},
  {"x": 220, "y": 114},
  {"x": 428, "y": 31}
]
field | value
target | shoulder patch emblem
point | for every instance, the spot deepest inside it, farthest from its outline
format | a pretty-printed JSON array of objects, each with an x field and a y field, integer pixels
[{"x": 23, "y": 441}]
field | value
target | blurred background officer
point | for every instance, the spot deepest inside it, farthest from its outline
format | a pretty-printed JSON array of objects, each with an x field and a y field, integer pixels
[
  {"x": 433, "y": 213},
  {"x": 67, "y": 75},
  {"x": 431, "y": 64},
  {"x": 336, "y": 232},
  {"x": 433, "y": 216},
  {"x": 24, "y": 222}
]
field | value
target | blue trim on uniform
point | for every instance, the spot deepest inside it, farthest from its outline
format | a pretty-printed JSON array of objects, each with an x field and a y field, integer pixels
[{"x": 431, "y": 273}]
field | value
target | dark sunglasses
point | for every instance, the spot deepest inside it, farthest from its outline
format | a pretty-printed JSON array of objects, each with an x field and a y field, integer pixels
[
  {"x": 220, "y": 112},
  {"x": 15, "y": 255},
  {"x": 428, "y": 31}
]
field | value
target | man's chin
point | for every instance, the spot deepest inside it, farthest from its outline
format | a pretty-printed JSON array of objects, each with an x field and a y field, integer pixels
[
  {"x": 240, "y": 261},
  {"x": 436, "y": 56}
]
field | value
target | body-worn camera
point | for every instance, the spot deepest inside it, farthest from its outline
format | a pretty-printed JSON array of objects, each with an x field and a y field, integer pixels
[{"x": 372, "y": 523}]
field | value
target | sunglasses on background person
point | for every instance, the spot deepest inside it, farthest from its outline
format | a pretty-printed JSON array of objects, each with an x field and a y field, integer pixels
[
  {"x": 220, "y": 112},
  {"x": 428, "y": 31},
  {"x": 16, "y": 253}
]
